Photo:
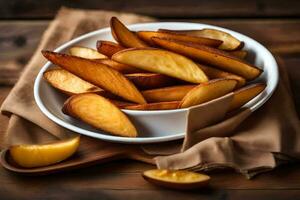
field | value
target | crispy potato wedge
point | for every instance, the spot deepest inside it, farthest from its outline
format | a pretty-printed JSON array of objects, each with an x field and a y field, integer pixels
[
  {"x": 150, "y": 80},
  {"x": 245, "y": 94},
  {"x": 40, "y": 155},
  {"x": 108, "y": 48},
  {"x": 155, "y": 106},
  {"x": 176, "y": 179},
  {"x": 241, "y": 54},
  {"x": 162, "y": 62},
  {"x": 208, "y": 91},
  {"x": 98, "y": 74},
  {"x": 68, "y": 83},
  {"x": 122, "y": 68},
  {"x": 85, "y": 52},
  {"x": 173, "y": 93},
  {"x": 211, "y": 56},
  {"x": 214, "y": 73},
  {"x": 229, "y": 42},
  {"x": 147, "y": 35},
  {"x": 124, "y": 36},
  {"x": 99, "y": 113}
]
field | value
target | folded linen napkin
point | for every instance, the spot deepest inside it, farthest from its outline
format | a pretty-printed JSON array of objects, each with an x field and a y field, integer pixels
[{"x": 248, "y": 143}]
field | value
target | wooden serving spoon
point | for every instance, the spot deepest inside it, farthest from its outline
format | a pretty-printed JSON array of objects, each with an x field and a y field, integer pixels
[{"x": 89, "y": 153}]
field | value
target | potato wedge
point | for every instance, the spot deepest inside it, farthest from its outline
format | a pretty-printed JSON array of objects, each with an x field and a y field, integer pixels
[
  {"x": 150, "y": 80},
  {"x": 173, "y": 93},
  {"x": 98, "y": 74},
  {"x": 122, "y": 68},
  {"x": 68, "y": 83},
  {"x": 241, "y": 54},
  {"x": 155, "y": 106},
  {"x": 40, "y": 155},
  {"x": 121, "y": 104},
  {"x": 147, "y": 35},
  {"x": 245, "y": 94},
  {"x": 211, "y": 56},
  {"x": 214, "y": 73},
  {"x": 208, "y": 91},
  {"x": 108, "y": 48},
  {"x": 99, "y": 113},
  {"x": 162, "y": 62},
  {"x": 176, "y": 179},
  {"x": 229, "y": 42},
  {"x": 85, "y": 52},
  {"x": 124, "y": 36}
]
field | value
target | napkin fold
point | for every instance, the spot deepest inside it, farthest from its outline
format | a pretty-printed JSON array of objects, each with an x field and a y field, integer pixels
[{"x": 248, "y": 142}]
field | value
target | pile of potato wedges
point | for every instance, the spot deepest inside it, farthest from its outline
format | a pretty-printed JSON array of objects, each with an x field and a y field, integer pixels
[{"x": 151, "y": 70}]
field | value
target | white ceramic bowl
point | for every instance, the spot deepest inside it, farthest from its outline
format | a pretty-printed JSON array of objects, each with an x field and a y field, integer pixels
[{"x": 153, "y": 126}]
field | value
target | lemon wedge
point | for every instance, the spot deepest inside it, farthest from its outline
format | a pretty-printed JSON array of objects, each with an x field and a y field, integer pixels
[
  {"x": 30, "y": 156},
  {"x": 176, "y": 179}
]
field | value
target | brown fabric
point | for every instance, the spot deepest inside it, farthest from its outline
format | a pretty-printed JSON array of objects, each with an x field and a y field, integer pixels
[
  {"x": 28, "y": 124},
  {"x": 267, "y": 136},
  {"x": 259, "y": 143}
]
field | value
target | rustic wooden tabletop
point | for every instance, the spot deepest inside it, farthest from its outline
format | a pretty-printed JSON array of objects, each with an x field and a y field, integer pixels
[{"x": 276, "y": 24}]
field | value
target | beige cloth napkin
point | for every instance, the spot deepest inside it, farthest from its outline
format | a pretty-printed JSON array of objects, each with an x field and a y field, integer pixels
[{"x": 248, "y": 144}]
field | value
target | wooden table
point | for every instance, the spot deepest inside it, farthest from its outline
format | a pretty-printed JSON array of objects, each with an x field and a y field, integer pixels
[{"x": 276, "y": 24}]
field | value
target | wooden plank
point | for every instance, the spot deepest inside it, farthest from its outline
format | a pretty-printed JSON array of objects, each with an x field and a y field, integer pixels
[
  {"x": 126, "y": 175},
  {"x": 3, "y": 119},
  {"x": 157, "y": 194},
  {"x": 18, "y": 41},
  {"x": 109, "y": 181},
  {"x": 157, "y": 8}
]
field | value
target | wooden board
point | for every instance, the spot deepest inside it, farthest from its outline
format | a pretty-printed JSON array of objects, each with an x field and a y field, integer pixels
[
  {"x": 168, "y": 8},
  {"x": 122, "y": 179}
]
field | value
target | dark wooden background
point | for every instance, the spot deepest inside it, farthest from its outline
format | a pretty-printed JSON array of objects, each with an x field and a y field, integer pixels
[{"x": 274, "y": 23}]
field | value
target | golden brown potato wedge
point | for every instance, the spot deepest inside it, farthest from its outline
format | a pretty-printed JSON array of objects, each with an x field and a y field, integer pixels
[
  {"x": 211, "y": 56},
  {"x": 245, "y": 94},
  {"x": 173, "y": 93},
  {"x": 99, "y": 113},
  {"x": 155, "y": 106},
  {"x": 124, "y": 36},
  {"x": 214, "y": 73},
  {"x": 68, "y": 83},
  {"x": 229, "y": 42},
  {"x": 208, "y": 91},
  {"x": 176, "y": 179},
  {"x": 122, "y": 68},
  {"x": 162, "y": 62},
  {"x": 147, "y": 35},
  {"x": 98, "y": 74},
  {"x": 241, "y": 54},
  {"x": 108, "y": 48},
  {"x": 150, "y": 80},
  {"x": 40, "y": 155},
  {"x": 85, "y": 52}
]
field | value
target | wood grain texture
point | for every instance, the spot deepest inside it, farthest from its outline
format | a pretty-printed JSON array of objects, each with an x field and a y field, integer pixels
[
  {"x": 157, "y": 194},
  {"x": 18, "y": 41},
  {"x": 168, "y": 8},
  {"x": 123, "y": 178},
  {"x": 3, "y": 119}
]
